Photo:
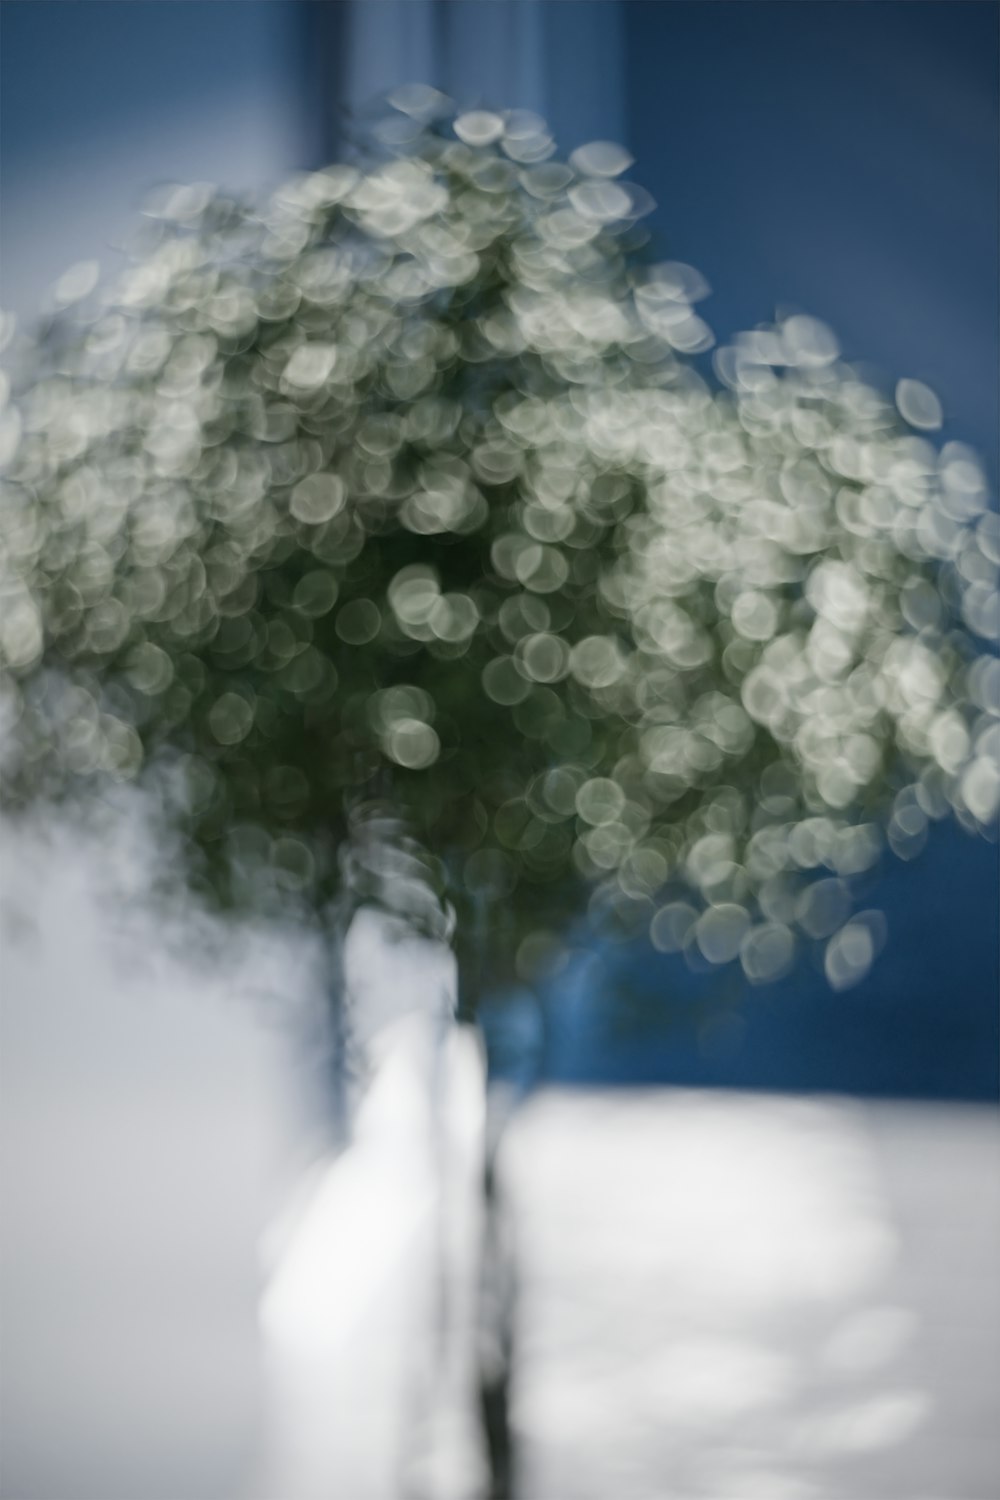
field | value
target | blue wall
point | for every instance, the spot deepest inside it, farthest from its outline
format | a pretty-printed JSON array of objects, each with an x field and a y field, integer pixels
[
  {"x": 839, "y": 157},
  {"x": 99, "y": 101},
  {"x": 842, "y": 159}
]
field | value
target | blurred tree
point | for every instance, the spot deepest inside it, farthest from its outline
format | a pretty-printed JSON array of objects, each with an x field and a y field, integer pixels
[{"x": 402, "y": 496}]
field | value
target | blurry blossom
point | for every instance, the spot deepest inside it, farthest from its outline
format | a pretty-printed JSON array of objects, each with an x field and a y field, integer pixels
[{"x": 407, "y": 489}]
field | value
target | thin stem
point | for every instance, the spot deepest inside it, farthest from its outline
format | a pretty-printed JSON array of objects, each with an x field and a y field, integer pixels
[{"x": 341, "y": 915}]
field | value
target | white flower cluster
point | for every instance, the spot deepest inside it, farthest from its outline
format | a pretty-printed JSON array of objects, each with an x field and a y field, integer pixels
[{"x": 412, "y": 468}]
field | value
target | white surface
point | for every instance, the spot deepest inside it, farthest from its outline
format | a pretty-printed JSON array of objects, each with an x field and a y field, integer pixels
[
  {"x": 147, "y": 1130},
  {"x": 152, "y": 1127},
  {"x": 721, "y": 1296},
  {"x": 748, "y": 1297}
]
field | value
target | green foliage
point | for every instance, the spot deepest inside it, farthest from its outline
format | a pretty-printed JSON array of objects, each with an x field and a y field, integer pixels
[{"x": 406, "y": 485}]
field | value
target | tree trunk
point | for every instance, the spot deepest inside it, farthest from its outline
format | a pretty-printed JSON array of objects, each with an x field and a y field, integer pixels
[{"x": 480, "y": 967}]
